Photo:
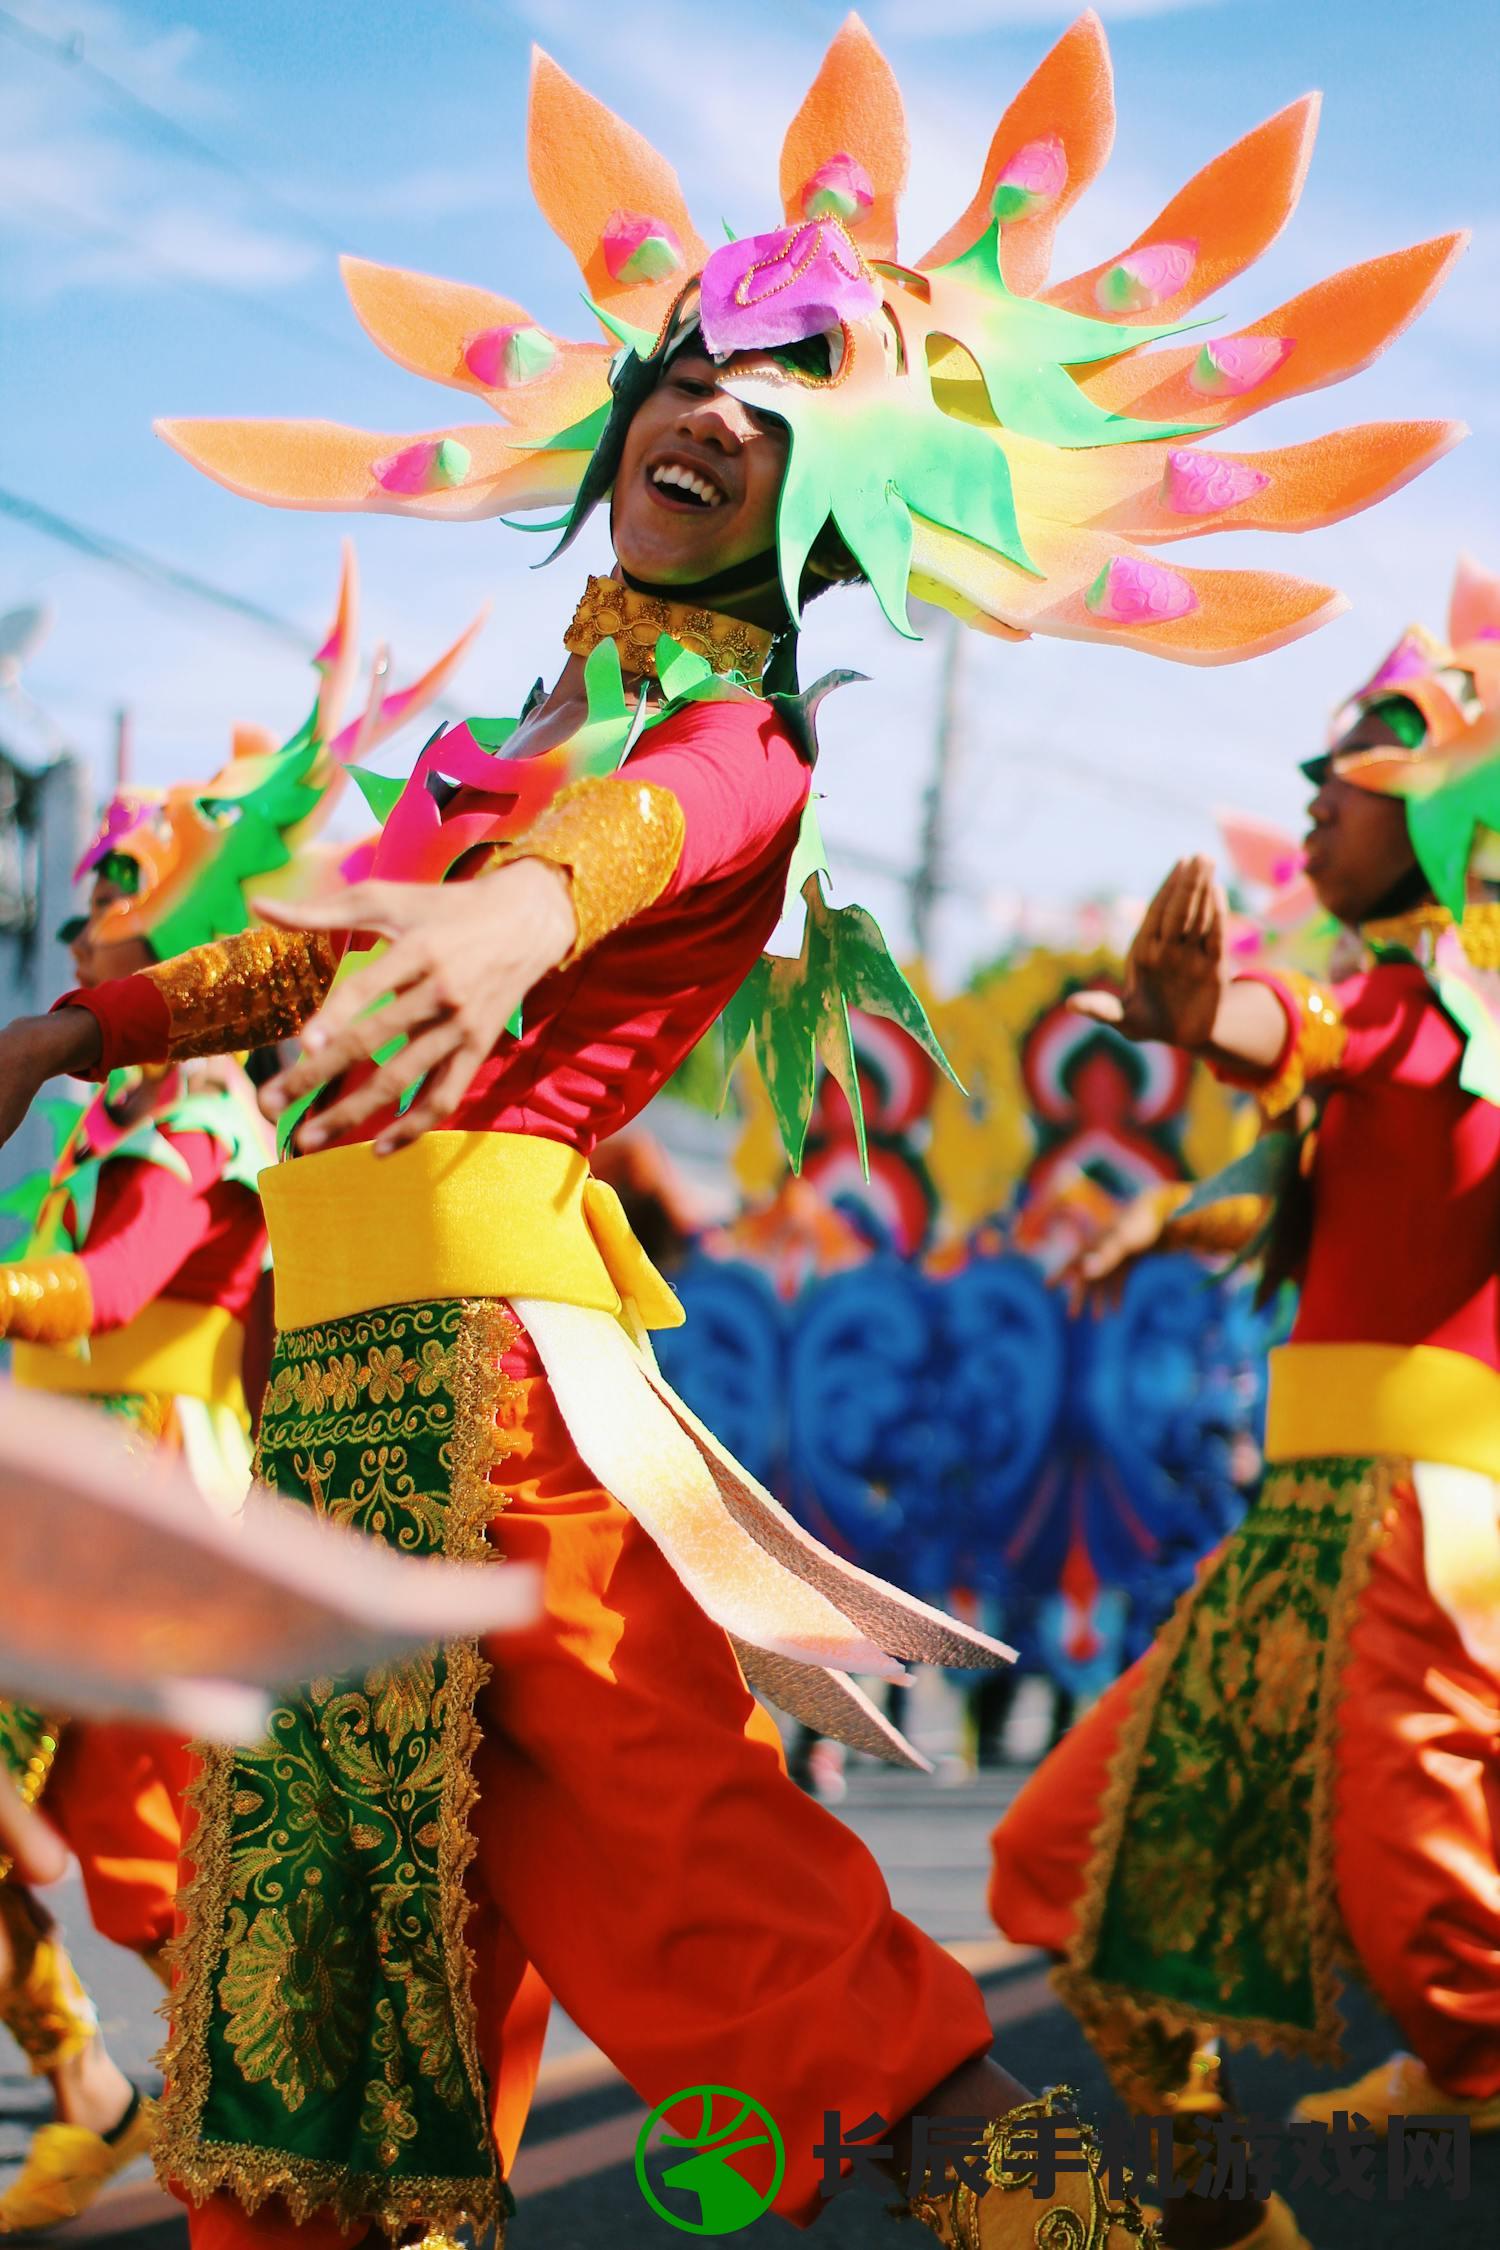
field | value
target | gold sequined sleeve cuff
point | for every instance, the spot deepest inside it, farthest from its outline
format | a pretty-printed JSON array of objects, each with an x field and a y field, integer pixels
[
  {"x": 620, "y": 841},
  {"x": 1220, "y": 1230},
  {"x": 45, "y": 1300},
  {"x": 245, "y": 991},
  {"x": 1316, "y": 1039}
]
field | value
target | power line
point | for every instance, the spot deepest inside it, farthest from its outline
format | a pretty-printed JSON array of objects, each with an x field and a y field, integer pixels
[
  {"x": 69, "y": 54},
  {"x": 185, "y": 278},
  {"x": 134, "y": 563}
]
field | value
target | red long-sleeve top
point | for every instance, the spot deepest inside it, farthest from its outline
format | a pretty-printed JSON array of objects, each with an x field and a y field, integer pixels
[
  {"x": 603, "y": 1034},
  {"x": 200, "y": 1240},
  {"x": 1405, "y": 1242}
]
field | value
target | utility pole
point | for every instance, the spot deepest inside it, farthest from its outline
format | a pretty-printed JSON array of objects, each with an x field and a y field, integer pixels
[
  {"x": 927, "y": 881},
  {"x": 124, "y": 740}
]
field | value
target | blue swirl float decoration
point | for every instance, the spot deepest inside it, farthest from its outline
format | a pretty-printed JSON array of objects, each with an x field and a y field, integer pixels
[{"x": 959, "y": 1430}]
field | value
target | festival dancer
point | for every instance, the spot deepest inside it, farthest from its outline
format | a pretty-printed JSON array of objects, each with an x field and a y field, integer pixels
[
  {"x": 1301, "y": 1771},
  {"x": 463, "y": 1312},
  {"x": 147, "y": 1247}
]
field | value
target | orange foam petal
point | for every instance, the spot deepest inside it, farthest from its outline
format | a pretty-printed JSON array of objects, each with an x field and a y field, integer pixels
[
  {"x": 325, "y": 465},
  {"x": 853, "y": 108},
  {"x": 1237, "y": 613},
  {"x": 428, "y": 325},
  {"x": 401, "y": 707},
  {"x": 1229, "y": 213},
  {"x": 586, "y": 165},
  {"x": 247, "y": 740},
  {"x": 1335, "y": 328},
  {"x": 1140, "y": 492},
  {"x": 1474, "y": 610},
  {"x": 339, "y": 655},
  {"x": 1070, "y": 96}
]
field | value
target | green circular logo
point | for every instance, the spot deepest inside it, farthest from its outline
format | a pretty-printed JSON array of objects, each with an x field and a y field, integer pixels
[{"x": 713, "y": 2152}]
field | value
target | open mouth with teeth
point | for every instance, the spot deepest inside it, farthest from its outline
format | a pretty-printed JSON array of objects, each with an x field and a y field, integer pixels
[{"x": 677, "y": 486}]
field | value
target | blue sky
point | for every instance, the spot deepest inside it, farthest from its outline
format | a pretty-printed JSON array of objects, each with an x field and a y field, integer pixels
[{"x": 139, "y": 281}]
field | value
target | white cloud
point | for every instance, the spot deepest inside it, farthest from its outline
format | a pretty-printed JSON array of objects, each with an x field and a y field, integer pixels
[{"x": 87, "y": 199}]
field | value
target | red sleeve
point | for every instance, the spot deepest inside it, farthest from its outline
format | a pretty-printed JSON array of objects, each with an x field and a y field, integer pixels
[
  {"x": 739, "y": 777},
  {"x": 135, "y": 1023},
  {"x": 147, "y": 1223}
]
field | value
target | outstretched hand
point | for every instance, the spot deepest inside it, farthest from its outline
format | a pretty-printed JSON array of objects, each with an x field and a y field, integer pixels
[
  {"x": 1095, "y": 1278},
  {"x": 460, "y": 959},
  {"x": 1175, "y": 972}
]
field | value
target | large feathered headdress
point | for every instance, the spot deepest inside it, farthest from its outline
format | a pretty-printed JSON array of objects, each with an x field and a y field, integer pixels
[
  {"x": 1442, "y": 701},
  {"x": 195, "y": 853},
  {"x": 998, "y": 443}
]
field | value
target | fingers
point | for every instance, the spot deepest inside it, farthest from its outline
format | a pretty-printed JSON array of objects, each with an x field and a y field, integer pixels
[
  {"x": 1104, "y": 1007},
  {"x": 444, "y": 1089},
  {"x": 352, "y": 1024},
  {"x": 1150, "y": 922},
  {"x": 383, "y": 1086}
]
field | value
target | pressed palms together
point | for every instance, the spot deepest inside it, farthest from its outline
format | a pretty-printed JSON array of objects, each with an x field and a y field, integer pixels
[{"x": 1175, "y": 973}]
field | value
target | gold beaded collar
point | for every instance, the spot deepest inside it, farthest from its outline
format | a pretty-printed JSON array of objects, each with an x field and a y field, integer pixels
[
  {"x": 1419, "y": 930},
  {"x": 1412, "y": 932},
  {"x": 610, "y": 611}
]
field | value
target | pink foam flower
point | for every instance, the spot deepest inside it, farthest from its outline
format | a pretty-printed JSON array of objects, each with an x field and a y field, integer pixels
[
  {"x": 639, "y": 247},
  {"x": 1233, "y": 365},
  {"x": 505, "y": 358},
  {"x": 1146, "y": 277},
  {"x": 431, "y": 465},
  {"x": 1204, "y": 484},
  {"x": 1131, "y": 591},
  {"x": 839, "y": 189},
  {"x": 1031, "y": 179}
]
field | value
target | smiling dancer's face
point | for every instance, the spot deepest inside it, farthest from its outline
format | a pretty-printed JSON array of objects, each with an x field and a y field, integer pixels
[{"x": 699, "y": 479}]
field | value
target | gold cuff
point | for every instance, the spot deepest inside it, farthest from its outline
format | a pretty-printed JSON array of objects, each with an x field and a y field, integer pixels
[
  {"x": 620, "y": 841},
  {"x": 1220, "y": 1229},
  {"x": 244, "y": 991},
  {"x": 46, "y": 1300},
  {"x": 1317, "y": 1047}
]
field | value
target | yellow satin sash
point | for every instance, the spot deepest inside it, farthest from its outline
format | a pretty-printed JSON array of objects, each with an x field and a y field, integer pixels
[
  {"x": 453, "y": 1215},
  {"x": 1436, "y": 1408},
  {"x": 1415, "y": 1400},
  {"x": 187, "y": 1351}
]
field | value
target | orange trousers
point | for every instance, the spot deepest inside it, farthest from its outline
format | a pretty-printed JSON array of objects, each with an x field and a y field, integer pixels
[
  {"x": 115, "y": 1796},
  {"x": 1416, "y": 1820},
  {"x": 640, "y": 1845}
]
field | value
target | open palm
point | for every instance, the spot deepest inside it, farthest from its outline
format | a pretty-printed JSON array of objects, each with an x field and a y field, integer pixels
[{"x": 1175, "y": 972}]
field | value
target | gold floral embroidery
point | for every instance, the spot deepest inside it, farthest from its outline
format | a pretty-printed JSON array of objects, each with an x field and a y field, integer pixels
[
  {"x": 284, "y": 1994},
  {"x": 323, "y": 2033},
  {"x": 1209, "y": 1897},
  {"x": 387, "y": 2118}
]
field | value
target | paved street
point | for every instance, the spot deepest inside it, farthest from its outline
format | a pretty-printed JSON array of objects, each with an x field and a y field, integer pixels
[{"x": 576, "y": 2183}]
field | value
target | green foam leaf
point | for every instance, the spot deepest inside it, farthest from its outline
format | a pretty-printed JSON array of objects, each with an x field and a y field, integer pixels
[
  {"x": 1444, "y": 824},
  {"x": 798, "y": 1014},
  {"x": 379, "y": 790}
]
